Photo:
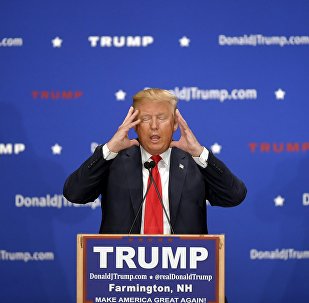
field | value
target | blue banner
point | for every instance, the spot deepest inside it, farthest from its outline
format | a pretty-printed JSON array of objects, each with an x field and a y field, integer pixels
[{"x": 68, "y": 72}]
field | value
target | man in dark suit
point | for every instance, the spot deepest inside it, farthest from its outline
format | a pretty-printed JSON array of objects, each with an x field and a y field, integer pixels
[{"x": 188, "y": 173}]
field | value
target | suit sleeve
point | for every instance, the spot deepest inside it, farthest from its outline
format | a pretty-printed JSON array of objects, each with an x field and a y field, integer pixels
[
  {"x": 87, "y": 182},
  {"x": 222, "y": 187}
]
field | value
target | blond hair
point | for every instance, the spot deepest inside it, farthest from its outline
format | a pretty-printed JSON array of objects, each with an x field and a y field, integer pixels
[{"x": 155, "y": 94}]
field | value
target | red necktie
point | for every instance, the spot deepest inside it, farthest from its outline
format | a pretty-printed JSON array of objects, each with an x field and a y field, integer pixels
[{"x": 153, "y": 218}]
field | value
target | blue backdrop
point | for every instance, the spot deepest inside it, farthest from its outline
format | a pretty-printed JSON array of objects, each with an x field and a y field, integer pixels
[{"x": 68, "y": 72}]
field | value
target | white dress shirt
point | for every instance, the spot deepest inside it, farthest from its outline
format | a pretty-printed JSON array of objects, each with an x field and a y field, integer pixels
[{"x": 164, "y": 170}]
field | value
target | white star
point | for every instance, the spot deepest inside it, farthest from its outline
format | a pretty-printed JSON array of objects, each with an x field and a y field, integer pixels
[
  {"x": 184, "y": 41},
  {"x": 56, "y": 149},
  {"x": 120, "y": 95},
  {"x": 279, "y": 201},
  {"x": 216, "y": 148},
  {"x": 57, "y": 42},
  {"x": 280, "y": 94}
]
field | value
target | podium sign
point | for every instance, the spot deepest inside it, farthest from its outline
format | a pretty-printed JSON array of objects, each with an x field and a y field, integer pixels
[{"x": 144, "y": 268}]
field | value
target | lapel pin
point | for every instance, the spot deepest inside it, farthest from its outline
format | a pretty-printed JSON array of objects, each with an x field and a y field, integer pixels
[{"x": 181, "y": 166}]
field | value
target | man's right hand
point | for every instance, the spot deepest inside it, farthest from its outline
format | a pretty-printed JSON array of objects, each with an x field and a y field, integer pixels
[{"x": 121, "y": 139}]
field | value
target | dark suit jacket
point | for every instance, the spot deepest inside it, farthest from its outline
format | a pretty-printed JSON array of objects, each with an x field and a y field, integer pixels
[{"x": 119, "y": 181}]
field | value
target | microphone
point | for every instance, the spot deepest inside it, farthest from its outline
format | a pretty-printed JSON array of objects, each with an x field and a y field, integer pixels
[
  {"x": 149, "y": 166},
  {"x": 152, "y": 164}
]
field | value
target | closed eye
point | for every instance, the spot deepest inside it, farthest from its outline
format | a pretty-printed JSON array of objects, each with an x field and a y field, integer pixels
[
  {"x": 161, "y": 117},
  {"x": 145, "y": 118}
]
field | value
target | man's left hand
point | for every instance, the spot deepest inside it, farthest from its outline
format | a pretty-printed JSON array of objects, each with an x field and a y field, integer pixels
[{"x": 187, "y": 141}]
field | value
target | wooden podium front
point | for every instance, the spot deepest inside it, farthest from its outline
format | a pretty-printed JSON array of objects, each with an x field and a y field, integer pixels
[{"x": 150, "y": 268}]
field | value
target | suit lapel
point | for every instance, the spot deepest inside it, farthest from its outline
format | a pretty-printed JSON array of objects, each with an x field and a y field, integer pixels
[
  {"x": 133, "y": 170},
  {"x": 178, "y": 171}
]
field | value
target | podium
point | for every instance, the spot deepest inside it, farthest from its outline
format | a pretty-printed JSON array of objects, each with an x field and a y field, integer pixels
[{"x": 150, "y": 268}]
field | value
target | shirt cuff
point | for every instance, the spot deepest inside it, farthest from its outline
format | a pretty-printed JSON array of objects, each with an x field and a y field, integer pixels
[
  {"x": 202, "y": 159},
  {"x": 107, "y": 154}
]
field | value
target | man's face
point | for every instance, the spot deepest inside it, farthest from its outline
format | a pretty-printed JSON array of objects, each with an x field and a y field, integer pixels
[{"x": 157, "y": 125}]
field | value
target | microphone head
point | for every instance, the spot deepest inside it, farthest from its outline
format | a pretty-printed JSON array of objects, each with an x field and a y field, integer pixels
[
  {"x": 149, "y": 165},
  {"x": 152, "y": 164}
]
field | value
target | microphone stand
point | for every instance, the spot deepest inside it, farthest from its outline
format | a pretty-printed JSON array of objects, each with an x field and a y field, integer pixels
[{"x": 149, "y": 167}]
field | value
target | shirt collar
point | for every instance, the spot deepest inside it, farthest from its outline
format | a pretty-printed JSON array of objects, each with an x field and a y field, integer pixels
[{"x": 166, "y": 156}]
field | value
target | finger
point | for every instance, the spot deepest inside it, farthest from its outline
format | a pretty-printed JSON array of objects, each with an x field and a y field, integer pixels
[
  {"x": 181, "y": 127},
  {"x": 126, "y": 127},
  {"x": 130, "y": 111},
  {"x": 181, "y": 120},
  {"x": 134, "y": 123},
  {"x": 132, "y": 117},
  {"x": 177, "y": 113}
]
